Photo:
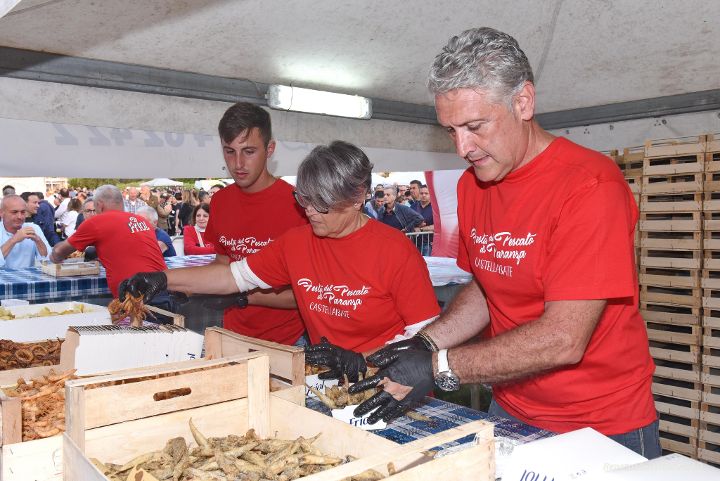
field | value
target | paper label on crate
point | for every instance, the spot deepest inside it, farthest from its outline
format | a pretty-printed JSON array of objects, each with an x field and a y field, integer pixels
[
  {"x": 319, "y": 384},
  {"x": 346, "y": 415}
]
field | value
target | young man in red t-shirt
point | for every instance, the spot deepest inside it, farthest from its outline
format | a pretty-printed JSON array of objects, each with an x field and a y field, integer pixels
[
  {"x": 125, "y": 242},
  {"x": 250, "y": 214},
  {"x": 547, "y": 231}
]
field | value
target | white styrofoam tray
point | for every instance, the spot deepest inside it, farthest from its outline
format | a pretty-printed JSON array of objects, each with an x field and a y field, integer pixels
[{"x": 31, "y": 329}]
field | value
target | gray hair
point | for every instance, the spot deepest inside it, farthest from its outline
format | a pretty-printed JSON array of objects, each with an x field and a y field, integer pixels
[
  {"x": 335, "y": 175},
  {"x": 148, "y": 212},
  {"x": 482, "y": 58},
  {"x": 109, "y": 195}
]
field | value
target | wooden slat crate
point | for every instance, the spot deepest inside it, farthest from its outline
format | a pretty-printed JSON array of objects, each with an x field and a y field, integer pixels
[
  {"x": 669, "y": 314},
  {"x": 287, "y": 363},
  {"x": 676, "y": 148},
  {"x": 709, "y": 436},
  {"x": 119, "y": 422},
  {"x": 679, "y": 420},
  {"x": 631, "y": 161},
  {"x": 71, "y": 269}
]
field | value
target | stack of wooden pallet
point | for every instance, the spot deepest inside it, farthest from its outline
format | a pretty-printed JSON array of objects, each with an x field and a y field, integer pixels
[
  {"x": 671, "y": 243},
  {"x": 709, "y": 448},
  {"x": 631, "y": 165}
]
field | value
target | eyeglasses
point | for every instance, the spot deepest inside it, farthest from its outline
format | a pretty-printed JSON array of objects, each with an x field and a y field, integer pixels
[
  {"x": 305, "y": 204},
  {"x": 90, "y": 210}
]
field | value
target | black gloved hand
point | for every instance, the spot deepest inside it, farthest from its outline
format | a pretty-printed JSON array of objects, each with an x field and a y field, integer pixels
[
  {"x": 340, "y": 361},
  {"x": 407, "y": 367},
  {"x": 384, "y": 356},
  {"x": 147, "y": 284}
]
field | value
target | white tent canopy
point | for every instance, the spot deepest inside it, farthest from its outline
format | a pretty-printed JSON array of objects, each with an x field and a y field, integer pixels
[{"x": 162, "y": 182}]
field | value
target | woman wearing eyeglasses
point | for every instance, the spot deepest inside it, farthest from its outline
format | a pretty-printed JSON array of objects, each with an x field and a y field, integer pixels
[{"x": 349, "y": 274}]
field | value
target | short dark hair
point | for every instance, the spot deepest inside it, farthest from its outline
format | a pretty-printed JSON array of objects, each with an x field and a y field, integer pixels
[
  {"x": 40, "y": 195},
  {"x": 408, "y": 193},
  {"x": 217, "y": 185},
  {"x": 379, "y": 194},
  {"x": 204, "y": 206},
  {"x": 26, "y": 195},
  {"x": 242, "y": 117},
  {"x": 64, "y": 193},
  {"x": 9, "y": 188},
  {"x": 419, "y": 184}
]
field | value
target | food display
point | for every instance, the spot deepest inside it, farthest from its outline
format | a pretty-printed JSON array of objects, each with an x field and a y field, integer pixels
[
  {"x": 247, "y": 457},
  {"x": 19, "y": 355},
  {"x": 43, "y": 404},
  {"x": 338, "y": 397},
  {"x": 132, "y": 307},
  {"x": 7, "y": 314}
]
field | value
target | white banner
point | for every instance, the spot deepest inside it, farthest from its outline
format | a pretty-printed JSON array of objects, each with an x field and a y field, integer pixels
[{"x": 31, "y": 148}]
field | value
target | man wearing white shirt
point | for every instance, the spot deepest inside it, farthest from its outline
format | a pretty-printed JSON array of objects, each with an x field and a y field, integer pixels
[{"x": 21, "y": 243}]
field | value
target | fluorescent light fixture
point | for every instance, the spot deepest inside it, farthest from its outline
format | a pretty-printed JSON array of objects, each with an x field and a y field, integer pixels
[{"x": 282, "y": 97}]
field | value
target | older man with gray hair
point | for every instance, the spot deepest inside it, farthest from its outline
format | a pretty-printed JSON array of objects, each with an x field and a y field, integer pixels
[
  {"x": 125, "y": 242},
  {"x": 547, "y": 230},
  {"x": 163, "y": 239}
]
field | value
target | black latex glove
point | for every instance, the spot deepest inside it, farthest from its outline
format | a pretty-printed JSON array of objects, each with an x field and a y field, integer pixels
[
  {"x": 340, "y": 361},
  {"x": 147, "y": 284},
  {"x": 383, "y": 356},
  {"x": 407, "y": 367},
  {"x": 90, "y": 253}
]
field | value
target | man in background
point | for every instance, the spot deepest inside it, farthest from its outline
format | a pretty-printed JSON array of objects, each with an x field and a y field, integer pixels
[
  {"x": 415, "y": 186},
  {"x": 40, "y": 212},
  {"x": 21, "y": 243},
  {"x": 163, "y": 239},
  {"x": 397, "y": 215},
  {"x": 132, "y": 203},
  {"x": 8, "y": 190}
]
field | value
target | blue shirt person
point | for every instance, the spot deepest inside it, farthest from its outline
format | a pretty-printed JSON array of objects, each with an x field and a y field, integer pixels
[{"x": 21, "y": 243}]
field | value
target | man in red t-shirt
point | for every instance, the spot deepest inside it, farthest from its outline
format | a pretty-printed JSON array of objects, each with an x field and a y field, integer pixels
[
  {"x": 250, "y": 214},
  {"x": 125, "y": 242},
  {"x": 547, "y": 231}
]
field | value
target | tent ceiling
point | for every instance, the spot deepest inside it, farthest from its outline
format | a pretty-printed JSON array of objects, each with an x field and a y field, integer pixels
[{"x": 585, "y": 53}]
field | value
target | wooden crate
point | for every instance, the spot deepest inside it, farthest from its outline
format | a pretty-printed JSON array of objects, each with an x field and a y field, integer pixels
[
  {"x": 709, "y": 435},
  {"x": 118, "y": 422},
  {"x": 631, "y": 161},
  {"x": 476, "y": 462},
  {"x": 69, "y": 269},
  {"x": 287, "y": 363},
  {"x": 679, "y": 420},
  {"x": 676, "y": 148}
]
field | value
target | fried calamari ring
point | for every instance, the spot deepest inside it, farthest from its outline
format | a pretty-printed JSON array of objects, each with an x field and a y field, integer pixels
[
  {"x": 39, "y": 351},
  {"x": 24, "y": 355}
]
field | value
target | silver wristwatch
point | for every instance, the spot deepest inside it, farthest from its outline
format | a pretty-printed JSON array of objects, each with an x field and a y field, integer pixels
[{"x": 445, "y": 379}]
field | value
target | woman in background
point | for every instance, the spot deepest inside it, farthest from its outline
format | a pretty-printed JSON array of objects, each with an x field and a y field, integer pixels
[{"x": 193, "y": 235}]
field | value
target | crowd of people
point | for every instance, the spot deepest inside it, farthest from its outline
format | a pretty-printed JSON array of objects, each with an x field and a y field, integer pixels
[{"x": 549, "y": 320}]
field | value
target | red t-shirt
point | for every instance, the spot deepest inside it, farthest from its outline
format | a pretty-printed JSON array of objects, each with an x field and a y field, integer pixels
[
  {"x": 242, "y": 224},
  {"x": 561, "y": 228},
  {"x": 125, "y": 243},
  {"x": 191, "y": 242},
  {"x": 359, "y": 291}
]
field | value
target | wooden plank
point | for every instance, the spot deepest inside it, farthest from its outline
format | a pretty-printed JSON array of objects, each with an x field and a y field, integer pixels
[
  {"x": 676, "y": 392},
  {"x": 40, "y": 459},
  {"x": 670, "y": 244},
  {"x": 677, "y": 428},
  {"x": 676, "y": 147},
  {"x": 671, "y": 225},
  {"x": 10, "y": 419},
  {"x": 287, "y": 362},
  {"x": 670, "y": 262},
  {"x": 695, "y": 185},
  {"x": 258, "y": 394},
  {"x": 679, "y": 374},
  {"x": 178, "y": 319},
  {"x": 142, "y": 399}
]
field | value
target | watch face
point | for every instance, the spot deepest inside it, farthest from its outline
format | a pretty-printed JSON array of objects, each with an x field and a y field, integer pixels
[{"x": 447, "y": 381}]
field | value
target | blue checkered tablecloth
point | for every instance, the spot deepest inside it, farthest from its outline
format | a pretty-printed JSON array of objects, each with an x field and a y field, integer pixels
[
  {"x": 444, "y": 415},
  {"x": 33, "y": 285}
]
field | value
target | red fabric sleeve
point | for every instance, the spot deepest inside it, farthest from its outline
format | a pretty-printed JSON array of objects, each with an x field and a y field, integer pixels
[{"x": 595, "y": 223}]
